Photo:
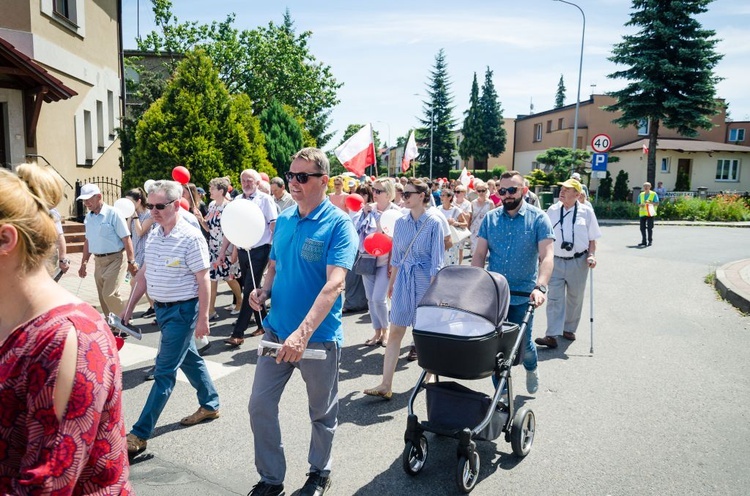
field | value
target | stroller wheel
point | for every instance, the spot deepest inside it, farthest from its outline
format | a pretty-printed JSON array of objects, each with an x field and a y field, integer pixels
[
  {"x": 466, "y": 478},
  {"x": 522, "y": 432},
  {"x": 415, "y": 457}
]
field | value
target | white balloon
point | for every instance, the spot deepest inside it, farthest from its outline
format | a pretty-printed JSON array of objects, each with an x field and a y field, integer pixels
[
  {"x": 388, "y": 221},
  {"x": 125, "y": 207},
  {"x": 243, "y": 223},
  {"x": 147, "y": 185}
]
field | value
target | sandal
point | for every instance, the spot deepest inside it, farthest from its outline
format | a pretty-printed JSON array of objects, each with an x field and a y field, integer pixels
[
  {"x": 374, "y": 341},
  {"x": 379, "y": 394}
]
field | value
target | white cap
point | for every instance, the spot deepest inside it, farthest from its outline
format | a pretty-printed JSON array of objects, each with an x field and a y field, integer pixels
[
  {"x": 89, "y": 190},
  {"x": 575, "y": 176}
]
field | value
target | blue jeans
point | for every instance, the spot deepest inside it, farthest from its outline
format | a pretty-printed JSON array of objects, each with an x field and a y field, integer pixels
[
  {"x": 515, "y": 315},
  {"x": 176, "y": 350}
]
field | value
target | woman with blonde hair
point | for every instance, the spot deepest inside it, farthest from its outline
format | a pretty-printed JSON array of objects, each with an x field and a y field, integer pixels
[{"x": 61, "y": 423}]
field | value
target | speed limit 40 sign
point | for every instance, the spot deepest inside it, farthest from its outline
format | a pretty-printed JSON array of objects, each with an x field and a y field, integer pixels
[{"x": 601, "y": 143}]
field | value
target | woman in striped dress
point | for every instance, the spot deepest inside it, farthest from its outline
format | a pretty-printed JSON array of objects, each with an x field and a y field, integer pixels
[{"x": 416, "y": 258}]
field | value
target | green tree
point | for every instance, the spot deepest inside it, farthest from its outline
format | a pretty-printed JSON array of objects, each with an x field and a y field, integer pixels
[
  {"x": 669, "y": 71},
  {"x": 494, "y": 136},
  {"x": 194, "y": 124},
  {"x": 438, "y": 117},
  {"x": 605, "y": 188},
  {"x": 560, "y": 95},
  {"x": 471, "y": 145},
  {"x": 560, "y": 161},
  {"x": 283, "y": 135},
  {"x": 268, "y": 63},
  {"x": 621, "y": 186}
]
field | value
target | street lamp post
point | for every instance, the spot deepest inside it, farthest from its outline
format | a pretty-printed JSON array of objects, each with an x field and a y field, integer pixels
[{"x": 580, "y": 68}]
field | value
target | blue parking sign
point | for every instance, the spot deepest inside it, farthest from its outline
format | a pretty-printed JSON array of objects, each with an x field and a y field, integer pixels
[{"x": 599, "y": 161}]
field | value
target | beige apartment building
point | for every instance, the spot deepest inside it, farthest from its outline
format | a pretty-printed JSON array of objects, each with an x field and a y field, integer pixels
[
  {"x": 712, "y": 160},
  {"x": 60, "y": 89}
]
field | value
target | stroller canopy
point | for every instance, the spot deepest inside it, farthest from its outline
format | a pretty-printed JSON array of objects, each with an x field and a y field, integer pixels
[{"x": 470, "y": 289}]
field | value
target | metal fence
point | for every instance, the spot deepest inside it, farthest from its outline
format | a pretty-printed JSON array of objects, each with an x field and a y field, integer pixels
[{"x": 111, "y": 191}]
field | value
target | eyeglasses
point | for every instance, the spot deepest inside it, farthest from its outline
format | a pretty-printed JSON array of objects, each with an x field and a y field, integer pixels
[
  {"x": 158, "y": 206},
  {"x": 407, "y": 194},
  {"x": 377, "y": 191},
  {"x": 481, "y": 191},
  {"x": 446, "y": 195},
  {"x": 511, "y": 191},
  {"x": 302, "y": 177}
]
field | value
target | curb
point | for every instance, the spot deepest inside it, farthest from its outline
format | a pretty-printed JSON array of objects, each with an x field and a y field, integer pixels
[
  {"x": 732, "y": 286},
  {"x": 691, "y": 223}
]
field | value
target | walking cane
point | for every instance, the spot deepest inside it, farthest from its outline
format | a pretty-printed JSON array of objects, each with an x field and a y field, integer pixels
[{"x": 591, "y": 313}]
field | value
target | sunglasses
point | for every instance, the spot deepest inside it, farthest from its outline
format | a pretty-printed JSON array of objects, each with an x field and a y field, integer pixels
[
  {"x": 158, "y": 206},
  {"x": 511, "y": 191},
  {"x": 481, "y": 191},
  {"x": 407, "y": 194},
  {"x": 377, "y": 191},
  {"x": 302, "y": 177}
]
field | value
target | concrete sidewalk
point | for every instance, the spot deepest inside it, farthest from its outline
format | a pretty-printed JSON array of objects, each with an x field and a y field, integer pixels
[{"x": 733, "y": 284}]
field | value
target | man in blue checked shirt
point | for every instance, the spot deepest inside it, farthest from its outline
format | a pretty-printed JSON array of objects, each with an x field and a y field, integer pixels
[{"x": 519, "y": 239}]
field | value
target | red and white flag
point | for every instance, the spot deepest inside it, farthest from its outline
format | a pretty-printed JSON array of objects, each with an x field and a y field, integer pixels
[
  {"x": 358, "y": 152},
  {"x": 410, "y": 152},
  {"x": 645, "y": 148}
]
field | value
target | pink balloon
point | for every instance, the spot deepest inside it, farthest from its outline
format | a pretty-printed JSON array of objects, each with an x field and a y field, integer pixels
[
  {"x": 377, "y": 244},
  {"x": 181, "y": 174},
  {"x": 264, "y": 176},
  {"x": 354, "y": 202},
  {"x": 184, "y": 204}
]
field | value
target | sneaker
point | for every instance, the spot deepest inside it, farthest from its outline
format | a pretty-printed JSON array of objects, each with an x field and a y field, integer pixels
[
  {"x": 642, "y": 243},
  {"x": 412, "y": 356},
  {"x": 150, "y": 374},
  {"x": 266, "y": 489},
  {"x": 532, "y": 380},
  {"x": 316, "y": 485},
  {"x": 148, "y": 313}
]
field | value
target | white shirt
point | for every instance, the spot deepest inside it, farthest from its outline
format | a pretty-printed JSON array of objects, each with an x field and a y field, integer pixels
[{"x": 586, "y": 228}]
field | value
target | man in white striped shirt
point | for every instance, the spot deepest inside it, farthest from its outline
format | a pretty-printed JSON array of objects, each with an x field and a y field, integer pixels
[{"x": 176, "y": 273}]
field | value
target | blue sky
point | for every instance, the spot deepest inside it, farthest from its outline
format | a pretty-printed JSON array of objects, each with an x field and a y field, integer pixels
[{"x": 383, "y": 51}]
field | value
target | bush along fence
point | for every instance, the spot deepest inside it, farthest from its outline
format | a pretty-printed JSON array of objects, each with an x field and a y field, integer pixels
[
  {"x": 111, "y": 191},
  {"x": 721, "y": 207}
]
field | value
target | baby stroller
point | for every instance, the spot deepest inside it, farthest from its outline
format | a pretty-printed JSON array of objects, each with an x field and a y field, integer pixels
[{"x": 460, "y": 332}]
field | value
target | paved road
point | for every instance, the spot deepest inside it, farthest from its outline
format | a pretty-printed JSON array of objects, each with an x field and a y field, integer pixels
[{"x": 660, "y": 408}]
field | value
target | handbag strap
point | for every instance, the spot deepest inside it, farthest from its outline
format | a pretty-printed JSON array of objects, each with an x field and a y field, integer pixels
[{"x": 408, "y": 249}]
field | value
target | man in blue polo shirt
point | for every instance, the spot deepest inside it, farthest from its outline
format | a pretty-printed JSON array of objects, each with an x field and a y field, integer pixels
[
  {"x": 314, "y": 246},
  {"x": 519, "y": 240},
  {"x": 107, "y": 237}
]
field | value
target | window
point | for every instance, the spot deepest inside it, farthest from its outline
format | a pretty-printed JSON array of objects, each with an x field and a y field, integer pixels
[
  {"x": 68, "y": 14},
  {"x": 534, "y": 165},
  {"x": 728, "y": 170},
  {"x": 100, "y": 126},
  {"x": 87, "y": 136},
  {"x": 737, "y": 134},
  {"x": 665, "y": 165},
  {"x": 643, "y": 127},
  {"x": 549, "y": 126},
  {"x": 560, "y": 122},
  {"x": 111, "y": 114},
  {"x": 538, "y": 132},
  {"x": 66, "y": 9}
]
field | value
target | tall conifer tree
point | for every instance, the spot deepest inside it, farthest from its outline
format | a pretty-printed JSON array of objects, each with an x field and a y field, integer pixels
[
  {"x": 471, "y": 144},
  {"x": 669, "y": 71},
  {"x": 438, "y": 115},
  {"x": 494, "y": 135},
  {"x": 560, "y": 95}
]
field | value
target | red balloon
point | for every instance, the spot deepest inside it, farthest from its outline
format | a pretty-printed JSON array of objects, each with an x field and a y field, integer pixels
[
  {"x": 378, "y": 244},
  {"x": 181, "y": 174},
  {"x": 372, "y": 178},
  {"x": 354, "y": 202},
  {"x": 119, "y": 342},
  {"x": 264, "y": 176},
  {"x": 184, "y": 204}
]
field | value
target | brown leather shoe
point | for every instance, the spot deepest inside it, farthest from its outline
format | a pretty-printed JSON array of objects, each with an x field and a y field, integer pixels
[
  {"x": 199, "y": 416},
  {"x": 135, "y": 444},
  {"x": 234, "y": 342},
  {"x": 570, "y": 336},
  {"x": 257, "y": 332},
  {"x": 548, "y": 341}
]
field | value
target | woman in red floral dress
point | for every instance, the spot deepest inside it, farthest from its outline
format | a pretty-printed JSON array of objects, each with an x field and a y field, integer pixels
[{"x": 61, "y": 425}]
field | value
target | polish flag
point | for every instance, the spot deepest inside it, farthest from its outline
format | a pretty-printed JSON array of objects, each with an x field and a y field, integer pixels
[
  {"x": 410, "y": 152},
  {"x": 358, "y": 152},
  {"x": 645, "y": 148}
]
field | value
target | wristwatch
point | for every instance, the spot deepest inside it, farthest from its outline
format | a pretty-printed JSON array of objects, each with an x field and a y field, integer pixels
[
  {"x": 131, "y": 262},
  {"x": 65, "y": 261},
  {"x": 542, "y": 288}
]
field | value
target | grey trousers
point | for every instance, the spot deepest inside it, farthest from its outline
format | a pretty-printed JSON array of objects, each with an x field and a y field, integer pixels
[
  {"x": 322, "y": 381},
  {"x": 565, "y": 298}
]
